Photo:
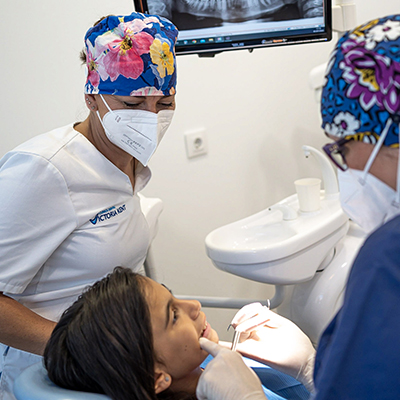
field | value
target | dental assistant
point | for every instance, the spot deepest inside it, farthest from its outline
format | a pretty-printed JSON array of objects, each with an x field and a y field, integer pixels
[
  {"x": 358, "y": 355},
  {"x": 69, "y": 197}
]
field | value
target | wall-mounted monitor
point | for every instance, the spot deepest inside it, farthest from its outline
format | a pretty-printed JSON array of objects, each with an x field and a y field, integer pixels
[{"x": 208, "y": 27}]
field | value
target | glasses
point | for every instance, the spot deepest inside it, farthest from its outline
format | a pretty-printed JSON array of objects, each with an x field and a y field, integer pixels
[{"x": 335, "y": 151}]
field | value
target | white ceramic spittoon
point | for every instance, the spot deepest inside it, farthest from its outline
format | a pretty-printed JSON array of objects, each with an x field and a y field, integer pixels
[{"x": 304, "y": 244}]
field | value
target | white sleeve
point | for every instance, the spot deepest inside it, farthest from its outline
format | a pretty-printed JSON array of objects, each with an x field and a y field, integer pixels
[{"x": 37, "y": 215}]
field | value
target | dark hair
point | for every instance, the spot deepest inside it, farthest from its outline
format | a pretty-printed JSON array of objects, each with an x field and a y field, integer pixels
[{"x": 103, "y": 343}]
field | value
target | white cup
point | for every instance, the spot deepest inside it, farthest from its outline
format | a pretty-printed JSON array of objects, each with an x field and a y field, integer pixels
[{"x": 308, "y": 193}]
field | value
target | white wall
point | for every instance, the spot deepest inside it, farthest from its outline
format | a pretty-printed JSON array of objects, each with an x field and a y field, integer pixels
[{"x": 257, "y": 110}]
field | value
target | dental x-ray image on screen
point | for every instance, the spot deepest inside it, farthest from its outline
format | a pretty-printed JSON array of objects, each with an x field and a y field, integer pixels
[{"x": 212, "y": 26}]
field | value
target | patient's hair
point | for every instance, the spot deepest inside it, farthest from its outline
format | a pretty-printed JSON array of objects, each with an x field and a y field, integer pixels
[{"x": 103, "y": 343}]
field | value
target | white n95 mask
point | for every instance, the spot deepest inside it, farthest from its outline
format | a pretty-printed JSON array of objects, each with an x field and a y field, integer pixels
[
  {"x": 137, "y": 132},
  {"x": 367, "y": 200}
]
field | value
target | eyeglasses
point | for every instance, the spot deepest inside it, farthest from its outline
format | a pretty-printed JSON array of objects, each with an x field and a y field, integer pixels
[{"x": 335, "y": 151}]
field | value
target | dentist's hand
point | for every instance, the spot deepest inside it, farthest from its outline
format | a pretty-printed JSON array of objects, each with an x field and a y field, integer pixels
[
  {"x": 278, "y": 343},
  {"x": 227, "y": 377}
]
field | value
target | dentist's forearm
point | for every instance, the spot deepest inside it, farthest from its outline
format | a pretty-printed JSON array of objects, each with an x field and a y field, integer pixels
[{"x": 22, "y": 328}]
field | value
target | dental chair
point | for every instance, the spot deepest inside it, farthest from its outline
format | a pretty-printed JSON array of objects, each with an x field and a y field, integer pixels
[{"x": 34, "y": 384}]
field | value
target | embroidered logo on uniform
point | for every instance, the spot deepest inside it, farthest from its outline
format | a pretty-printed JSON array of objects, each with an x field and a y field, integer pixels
[{"x": 107, "y": 214}]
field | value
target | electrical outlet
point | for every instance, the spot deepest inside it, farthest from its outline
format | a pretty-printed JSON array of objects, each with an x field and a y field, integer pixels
[{"x": 196, "y": 143}]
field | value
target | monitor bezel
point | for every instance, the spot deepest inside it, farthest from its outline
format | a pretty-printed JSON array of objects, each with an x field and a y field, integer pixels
[{"x": 210, "y": 49}]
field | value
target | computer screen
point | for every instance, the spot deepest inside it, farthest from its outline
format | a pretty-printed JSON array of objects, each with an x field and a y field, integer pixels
[{"x": 208, "y": 27}]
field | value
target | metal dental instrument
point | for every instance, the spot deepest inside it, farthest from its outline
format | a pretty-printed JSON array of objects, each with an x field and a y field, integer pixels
[
  {"x": 249, "y": 325},
  {"x": 235, "y": 340}
]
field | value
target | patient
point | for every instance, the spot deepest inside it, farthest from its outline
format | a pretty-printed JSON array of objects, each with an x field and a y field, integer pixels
[
  {"x": 128, "y": 337},
  {"x": 104, "y": 342}
]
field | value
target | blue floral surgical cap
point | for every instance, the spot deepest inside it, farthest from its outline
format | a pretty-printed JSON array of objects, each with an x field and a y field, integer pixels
[
  {"x": 131, "y": 56},
  {"x": 362, "y": 83}
]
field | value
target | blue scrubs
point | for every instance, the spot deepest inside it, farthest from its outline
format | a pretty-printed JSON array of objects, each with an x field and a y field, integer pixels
[
  {"x": 276, "y": 385},
  {"x": 358, "y": 355}
]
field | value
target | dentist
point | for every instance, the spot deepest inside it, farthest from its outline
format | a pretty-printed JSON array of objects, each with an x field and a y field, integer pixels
[
  {"x": 69, "y": 197},
  {"x": 358, "y": 356}
]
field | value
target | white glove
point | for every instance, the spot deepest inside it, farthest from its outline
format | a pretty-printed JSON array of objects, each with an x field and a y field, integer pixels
[
  {"x": 278, "y": 342},
  {"x": 227, "y": 377}
]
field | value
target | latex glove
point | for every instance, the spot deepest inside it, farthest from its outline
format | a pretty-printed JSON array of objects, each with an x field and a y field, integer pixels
[
  {"x": 227, "y": 377},
  {"x": 250, "y": 317},
  {"x": 278, "y": 342}
]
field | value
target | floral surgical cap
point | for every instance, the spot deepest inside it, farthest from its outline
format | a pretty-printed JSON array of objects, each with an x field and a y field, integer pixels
[
  {"x": 131, "y": 56},
  {"x": 362, "y": 83}
]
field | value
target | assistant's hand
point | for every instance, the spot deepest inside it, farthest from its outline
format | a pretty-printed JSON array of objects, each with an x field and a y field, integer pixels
[
  {"x": 227, "y": 377},
  {"x": 278, "y": 343}
]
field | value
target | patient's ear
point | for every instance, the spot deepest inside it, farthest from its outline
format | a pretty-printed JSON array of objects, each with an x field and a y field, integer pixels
[{"x": 162, "y": 380}]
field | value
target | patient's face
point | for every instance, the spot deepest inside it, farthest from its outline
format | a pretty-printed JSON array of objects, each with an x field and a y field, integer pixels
[{"x": 177, "y": 326}]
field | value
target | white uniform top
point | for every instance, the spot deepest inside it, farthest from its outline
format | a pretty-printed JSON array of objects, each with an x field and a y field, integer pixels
[{"x": 69, "y": 216}]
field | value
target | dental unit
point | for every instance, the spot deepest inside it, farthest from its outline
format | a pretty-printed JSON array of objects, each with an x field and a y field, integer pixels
[{"x": 306, "y": 255}]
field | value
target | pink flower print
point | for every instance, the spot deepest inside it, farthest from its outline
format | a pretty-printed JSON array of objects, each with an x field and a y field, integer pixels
[
  {"x": 147, "y": 91},
  {"x": 124, "y": 51},
  {"x": 93, "y": 76},
  {"x": 149, "y": 21},
  {"x": 95, "y": 66}
]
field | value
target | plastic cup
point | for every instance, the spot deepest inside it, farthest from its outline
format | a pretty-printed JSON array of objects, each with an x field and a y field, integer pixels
[{"x": 308, "y": 193}]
